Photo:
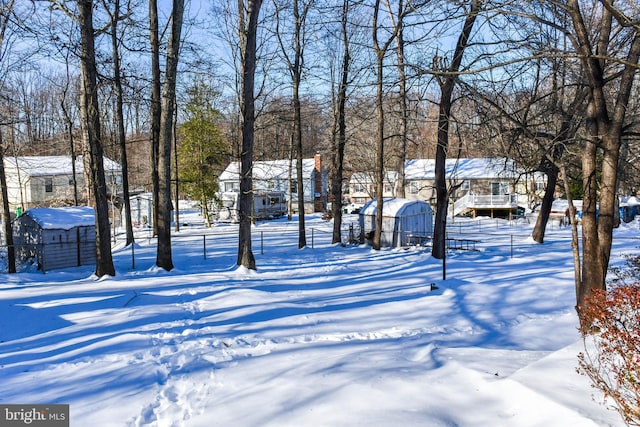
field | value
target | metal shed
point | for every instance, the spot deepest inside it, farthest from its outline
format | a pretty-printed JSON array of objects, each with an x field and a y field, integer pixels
[
  {"x": 56, "y": 237},
  {"x": 404, "y": 221}
]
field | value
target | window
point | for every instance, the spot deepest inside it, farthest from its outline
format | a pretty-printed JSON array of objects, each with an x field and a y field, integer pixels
[
  {"x": 358, "y": 188},
  {"x": 388, "y": 188},
  {"x": 499, "y": 188},
  {"x": 540, "y": 186},
  {"x": 230, "y": 186},
  {"x": 48, "y": 185},
  {"x": 466, "y": 185},
  {"x": 414, "y": 188},
  {"x": 70, "y": 180}
]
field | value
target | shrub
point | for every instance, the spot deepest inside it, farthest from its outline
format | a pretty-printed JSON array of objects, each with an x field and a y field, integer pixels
[{"x": 612, "y": 347}]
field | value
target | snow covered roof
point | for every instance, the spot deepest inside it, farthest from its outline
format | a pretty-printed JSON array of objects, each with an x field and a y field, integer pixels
[
  {"x": 469, "y": 168},
  {"x": 630, "y": 201},
  {"x": 267, "y": 170},
  {"x": 53, "y": 165},
  {"x": 62, "y": 218},
  {"x": 367, "y": 178},
  {"x": 561, "y": 205},
  {"x": 394, "y": 207}
]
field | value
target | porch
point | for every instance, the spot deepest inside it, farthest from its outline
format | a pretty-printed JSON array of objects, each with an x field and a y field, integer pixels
[{"x": 491, "y": 205}]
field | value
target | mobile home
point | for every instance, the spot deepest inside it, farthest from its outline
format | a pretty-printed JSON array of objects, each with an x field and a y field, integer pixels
[{"x": 266, "y": 205}]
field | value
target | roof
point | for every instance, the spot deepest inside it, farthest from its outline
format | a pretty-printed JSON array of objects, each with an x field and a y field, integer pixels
[
  {"x": 268, "y": 170},
  {"x": 561, "y": 205},
  {"x": 367, "y": 178},
  {"x": 54, "y": 165},
  {"x": 468, "y": 168},
  {"x": 395, "y": 207},
  {"x": 630, "y": 201},
  {"x": 62, "y": 218}
]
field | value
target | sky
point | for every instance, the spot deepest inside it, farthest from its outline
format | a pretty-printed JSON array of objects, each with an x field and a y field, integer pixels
[{"x": 328, "y": 335}]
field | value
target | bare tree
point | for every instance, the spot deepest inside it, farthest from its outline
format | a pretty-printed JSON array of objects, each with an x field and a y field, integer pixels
[
  {"x": 447, "y": 84},
  {"x": 380, "y": 49},
  {"x": 164, "y": 255},
  {"x": 91, "y": 131},
  {"x": 6, "y": 214},
  {"x": 339, "y": 133},
  {"x": 248, "y": 14},
  {"x": 295, "y": 65},
  {"x": 156, "y": 108},
  {"x": 114, "y": 18},
  {"x": 6, "y": 11},
  {"x": 610, "y": 73}
]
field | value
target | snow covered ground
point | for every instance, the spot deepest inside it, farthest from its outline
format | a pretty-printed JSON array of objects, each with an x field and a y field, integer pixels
[{"x": 324, "y": 336}]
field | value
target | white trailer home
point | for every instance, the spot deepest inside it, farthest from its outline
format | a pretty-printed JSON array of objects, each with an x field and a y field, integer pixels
[{"x": 266, "y": 205}]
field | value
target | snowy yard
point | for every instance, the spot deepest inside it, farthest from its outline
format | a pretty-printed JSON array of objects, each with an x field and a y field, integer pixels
[{"x": 324, "y": 336}]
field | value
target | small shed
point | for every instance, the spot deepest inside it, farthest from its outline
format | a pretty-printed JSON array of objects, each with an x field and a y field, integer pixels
[
  {"x": 404, "y": 221},
  {"x": 629, "y": 208},
  {"x": 56, "y": 237},
  {"x": 141, "y": 210}
]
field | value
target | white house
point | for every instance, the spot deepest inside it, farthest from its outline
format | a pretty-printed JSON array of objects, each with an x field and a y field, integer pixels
[
  {"x": 362, "y": 187},
  {"x": 41, "y": 181},
  {"x": 482, "y": 186},
  {"x": 275, "y": 175}
]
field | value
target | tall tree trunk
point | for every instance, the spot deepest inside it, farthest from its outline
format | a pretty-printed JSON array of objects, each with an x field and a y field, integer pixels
[
  {"x": 164, "y": 255},
  {"x": 380, "y": 49},
  {"x": 248, "y": 46},
  {"x": 121, "y": 134},
  {"x": 6, "y": 214},
  {"x": 296, "y": 66},
  {"x": 156, "y": 105},
  {"x": 444, "y": 117},
  {"x": 402, "y": 94},
  {"x": 297, "y": 133},
  {"x": 68, "y": 123},
  {"x": 592, "y": 274},
  {"x": 91, "y": 129},
  {"x": 341, "y": 136},
  {"x": 545, "y": 207},
  {"x": 379, "y": 168},
  {"x": 605, "y": 118},
  {"x": 297, "y": 123},
  {"x": 575, "y": 241}
]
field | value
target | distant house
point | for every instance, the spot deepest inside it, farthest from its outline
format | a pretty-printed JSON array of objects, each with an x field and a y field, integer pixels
[
  {"x": 482, "y": 186},
  {"x": 362, "y": 187},
  {"x": 43, "y": 181},
  {"x": 275, "y": 175},
  {"x": 56, "y": 237}
]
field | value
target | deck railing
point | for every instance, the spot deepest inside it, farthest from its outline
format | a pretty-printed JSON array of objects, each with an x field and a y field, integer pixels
[{"x": 485, "y": 201}]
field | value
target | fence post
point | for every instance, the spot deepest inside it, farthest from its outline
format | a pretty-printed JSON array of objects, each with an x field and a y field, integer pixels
[
  {"x": 133, "y": 256},
  {"x": 312, "y": 230},
  {"x": 204, "y": 246},
  {"x": 511, "y": 246},
  {"x": 42, "y": 257},
  {"x": 444, "y": 264},
  {"x": 261, "y": 242}
]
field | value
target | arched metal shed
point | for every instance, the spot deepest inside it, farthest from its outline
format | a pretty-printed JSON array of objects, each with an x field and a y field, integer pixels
[{"x": 404, "y": 221}]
